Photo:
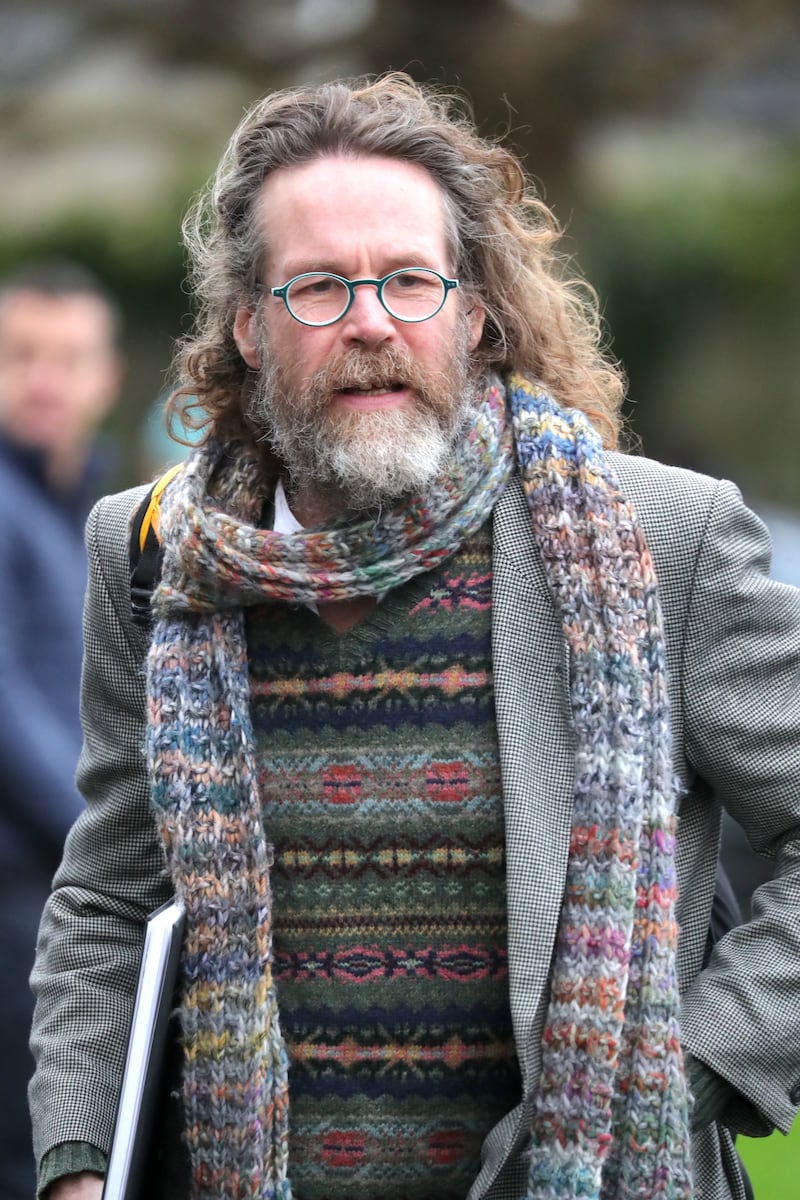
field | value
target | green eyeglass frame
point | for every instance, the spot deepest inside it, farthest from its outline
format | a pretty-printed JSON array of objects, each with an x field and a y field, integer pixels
[{"x": 282, "y": 293}]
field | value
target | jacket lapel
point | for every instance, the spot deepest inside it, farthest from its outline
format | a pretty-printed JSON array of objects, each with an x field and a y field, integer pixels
[{"x": 537, "y": 764}]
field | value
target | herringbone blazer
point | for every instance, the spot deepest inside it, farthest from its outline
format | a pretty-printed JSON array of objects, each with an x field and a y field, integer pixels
[{"x": 733, "y": 652}]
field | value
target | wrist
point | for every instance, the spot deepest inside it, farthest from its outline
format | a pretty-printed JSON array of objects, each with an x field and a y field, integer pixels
[{"x": 87, "y": 1185}]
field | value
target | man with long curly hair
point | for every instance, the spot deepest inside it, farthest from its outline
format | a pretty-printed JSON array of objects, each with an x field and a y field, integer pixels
[{"x": 431, "y": 726}]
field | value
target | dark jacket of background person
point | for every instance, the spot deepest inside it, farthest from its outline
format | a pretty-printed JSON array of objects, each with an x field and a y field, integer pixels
[{"x": 42, "y": 582}]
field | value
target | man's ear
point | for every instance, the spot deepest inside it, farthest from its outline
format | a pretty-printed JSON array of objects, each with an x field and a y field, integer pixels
[
  {"x": 476, "y": 317},
  {"x": 245, "y": 334}
]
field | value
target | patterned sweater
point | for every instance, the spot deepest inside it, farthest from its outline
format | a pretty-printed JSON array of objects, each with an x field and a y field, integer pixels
[{"x": 379, "y": 769}]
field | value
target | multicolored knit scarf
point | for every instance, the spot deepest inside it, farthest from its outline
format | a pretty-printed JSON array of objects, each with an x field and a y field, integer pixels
[{"x": 610, "y": 1115}]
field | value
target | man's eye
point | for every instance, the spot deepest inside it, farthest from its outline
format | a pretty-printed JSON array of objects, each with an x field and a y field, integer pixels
[
  {"x": 318, "y": 286},
  {"x": 408, "y": 280}
]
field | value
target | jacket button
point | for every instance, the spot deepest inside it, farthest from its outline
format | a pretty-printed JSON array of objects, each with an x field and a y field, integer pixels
[{"x": 794, "y": 1094}]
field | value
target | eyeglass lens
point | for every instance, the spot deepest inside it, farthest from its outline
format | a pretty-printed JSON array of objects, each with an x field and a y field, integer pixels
[{"x": 409, "y": 295}]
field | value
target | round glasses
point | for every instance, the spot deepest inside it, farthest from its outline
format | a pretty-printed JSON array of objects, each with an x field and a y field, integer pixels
[{"x": 321, "y": 298}]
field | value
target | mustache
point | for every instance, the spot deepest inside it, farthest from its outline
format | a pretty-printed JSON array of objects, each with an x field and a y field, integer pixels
[{"x": 388, "y": 368}]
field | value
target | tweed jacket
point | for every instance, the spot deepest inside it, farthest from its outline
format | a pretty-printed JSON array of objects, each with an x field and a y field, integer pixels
[{"x": 733, "y": 650}]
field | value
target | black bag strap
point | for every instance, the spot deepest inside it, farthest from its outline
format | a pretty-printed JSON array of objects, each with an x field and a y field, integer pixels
[{"x": 144, "y": 548}]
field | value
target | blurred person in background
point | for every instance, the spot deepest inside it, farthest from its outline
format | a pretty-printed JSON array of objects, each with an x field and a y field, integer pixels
[
  {"x": 60, "y": 373},
  {"x": 431, "y": 671}
]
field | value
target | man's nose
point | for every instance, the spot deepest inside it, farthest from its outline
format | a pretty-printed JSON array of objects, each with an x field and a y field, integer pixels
[
  {"x": 46, "y": 373},
  {"x": 366, "y": 320}
]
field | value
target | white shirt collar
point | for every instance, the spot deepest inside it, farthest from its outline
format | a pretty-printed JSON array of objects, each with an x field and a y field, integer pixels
[{"x": 284, "y": 520}]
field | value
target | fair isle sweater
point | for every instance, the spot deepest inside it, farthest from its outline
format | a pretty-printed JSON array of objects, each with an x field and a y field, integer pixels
[{"x": 379, "y": 770}]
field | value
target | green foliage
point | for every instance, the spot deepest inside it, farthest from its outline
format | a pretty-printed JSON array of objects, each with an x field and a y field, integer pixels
[
  {"x": 702, "y": 290},
  {"x": 773, "y": 1164}
]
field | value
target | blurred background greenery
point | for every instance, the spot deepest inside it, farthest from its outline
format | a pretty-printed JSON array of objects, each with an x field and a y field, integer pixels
[{"x": 666, "y": 135}]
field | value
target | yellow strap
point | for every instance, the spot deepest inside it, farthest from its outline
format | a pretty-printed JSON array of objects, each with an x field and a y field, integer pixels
[{"x": 152, "y": 514}]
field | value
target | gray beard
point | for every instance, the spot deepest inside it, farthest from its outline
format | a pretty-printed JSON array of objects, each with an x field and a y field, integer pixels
[
  {"x": 377, "y": 458},
  {"x": 364, "y": 459}
]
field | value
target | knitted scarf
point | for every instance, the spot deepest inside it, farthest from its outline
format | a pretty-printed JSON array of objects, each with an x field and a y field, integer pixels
[{"x": 610, "y": 1114}]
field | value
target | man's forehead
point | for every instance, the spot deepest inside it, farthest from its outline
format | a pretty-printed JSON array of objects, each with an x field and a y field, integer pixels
[
  {"x": 75, "y": 314},
  {"x": 29, "y": 298},
  {"x": 339, "y": 167},
  {"x": 333, "y": 201}
]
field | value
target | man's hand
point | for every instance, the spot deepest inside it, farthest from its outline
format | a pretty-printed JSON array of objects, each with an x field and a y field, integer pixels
[{"x": 86, "y": 1186}]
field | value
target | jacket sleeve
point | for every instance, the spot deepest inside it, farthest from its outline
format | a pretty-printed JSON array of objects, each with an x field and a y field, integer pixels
[
  {"x": 741, "y": 701},
  {"x": 112, "y": 874}
]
